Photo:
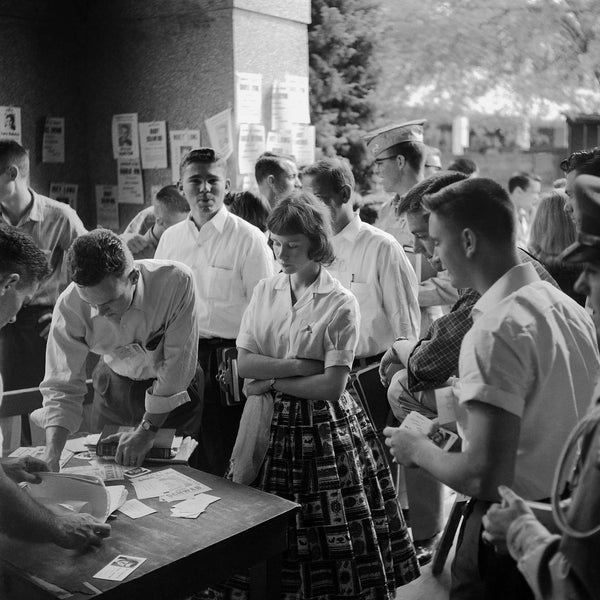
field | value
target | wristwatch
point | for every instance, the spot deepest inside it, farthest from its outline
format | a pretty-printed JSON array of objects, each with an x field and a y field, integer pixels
[{"x": 147, "y": 426}]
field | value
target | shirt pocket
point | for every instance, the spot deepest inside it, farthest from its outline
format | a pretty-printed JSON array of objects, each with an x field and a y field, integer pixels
[
  {"x": 366, "y": 294},
  {"x": 307, "y": 342},
  {"x": 220, "y": 281}
]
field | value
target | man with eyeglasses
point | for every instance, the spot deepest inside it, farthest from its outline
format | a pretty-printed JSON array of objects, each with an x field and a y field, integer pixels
[{"x": 228, "y": 257}]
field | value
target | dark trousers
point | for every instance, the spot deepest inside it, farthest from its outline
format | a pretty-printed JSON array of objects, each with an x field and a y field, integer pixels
[
  {"x": 22, "y": 350},
  {"x": 119, "y": 400},
  {"x": 480, "y": 573},
  {"x": 220, "y": 423}
]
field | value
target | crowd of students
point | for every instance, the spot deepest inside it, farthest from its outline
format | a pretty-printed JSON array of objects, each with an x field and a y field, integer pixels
[{"x": 309, "y": 294}]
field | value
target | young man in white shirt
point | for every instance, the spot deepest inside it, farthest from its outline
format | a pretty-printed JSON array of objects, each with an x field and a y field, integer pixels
[
  {"x": 526, "y": 369},
  {"x": 53, "y": 226},
  {"x": 228, "y": 257},
  {"x": 276, "y": 176},
  {"x": 23, "y": 267},
  {"x": 141, "y": 318}
]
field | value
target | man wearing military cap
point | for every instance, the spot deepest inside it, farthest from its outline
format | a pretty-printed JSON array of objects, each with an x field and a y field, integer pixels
[{"x": 399, "y": 154}]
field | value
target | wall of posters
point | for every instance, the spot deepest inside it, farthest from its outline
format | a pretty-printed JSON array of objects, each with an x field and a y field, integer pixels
[
  {"x": 251, "y": 145},
  {"x": 220, "y": 133},
  {"x": 125, "y": 140},
  {"x": 130, "y": 183},
  {"x": 107, "y": 207},
  {"x": 64, "y": 192},
  {"x": 153, "y": 145},
  {"x": 53, "y": 144},
  {"x": 248, "y": 98},
  {"x": 181, "y": 142},
  {"x": 10, "y": 123}
]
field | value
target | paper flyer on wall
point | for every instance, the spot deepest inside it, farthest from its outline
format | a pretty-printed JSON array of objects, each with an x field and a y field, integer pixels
[
  {"x": 153, "y": 144},
  {"x": 248, "y": 98},
  {"x": 281, "y": 108},
  {"x": 181, "y": 142},
  {"x": 10, "y": 123},
  {"x": 64, "y": 192},
  {"x": 280, "y": 142},
  {"x": 129, "y": 180},
  {"x": 53, "y": 144},
  {"x": 251, "y": 145},
  {"x": 107, "y": 207},
  {"x": 297, "y": 90},
  {"x": 220, "y": 133},
  {"x": 303, "y": 144},
  {"x": 125, "y": 140}
]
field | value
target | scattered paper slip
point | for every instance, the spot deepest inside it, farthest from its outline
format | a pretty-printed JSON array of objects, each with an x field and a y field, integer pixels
[
  {"x": 38, "y": 452},
  {"x": 193, "y": 507},
  {"x": 106, "y": 472},
  {"x": 119, "y": 568},
  {"x": 76, "y": 445},
  {"x": 117, "y": 495},
  {"x": 168, "y": 484},
  {"x": 135, "y": 509}
]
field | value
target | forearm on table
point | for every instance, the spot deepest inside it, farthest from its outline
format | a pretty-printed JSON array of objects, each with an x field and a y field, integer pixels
[
  {"x": 257, "y": 366},
  {"x": 22, "y": 517},
  {"x": 56, "y": 438}
]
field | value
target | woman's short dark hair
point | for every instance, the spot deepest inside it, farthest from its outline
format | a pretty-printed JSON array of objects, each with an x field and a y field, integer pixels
[
  {"x": 479, "y": 204},
  {"x": 96, "y": 255},
  {"x": 301, "y": 213}
]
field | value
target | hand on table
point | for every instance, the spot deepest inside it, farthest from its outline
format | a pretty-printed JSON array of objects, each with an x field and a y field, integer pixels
[
  {"x": 498, "y": 518},
  {"x": 80, "y": 530},
  {"x": 24, "y": 468},
  {"x": 45, "y": 318},
  {"x": 52, "y": 460},
  {"x": 132, "y": 446}
]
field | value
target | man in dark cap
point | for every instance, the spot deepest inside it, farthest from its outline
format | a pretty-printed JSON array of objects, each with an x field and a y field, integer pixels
[{"x": 555, "y": 566}]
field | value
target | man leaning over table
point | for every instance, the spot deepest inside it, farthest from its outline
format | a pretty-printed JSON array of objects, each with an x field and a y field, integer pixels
[
  {"x": 23, "y": 267},
  {"x": 140, "y": 317}
]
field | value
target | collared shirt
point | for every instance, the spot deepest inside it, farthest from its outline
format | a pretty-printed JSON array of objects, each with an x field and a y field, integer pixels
[
  {"x": 157, "y": 337},
  {"x": 531, "y": 352},
  {"x": 228, "y": 257},
  {"x": 53, "y": 227},
  {"x": 435, "y": 358},
  {"x": 396, "y": 225},
  {"x": 322, "y": 325},
  {"x": 372, "y": 265}
]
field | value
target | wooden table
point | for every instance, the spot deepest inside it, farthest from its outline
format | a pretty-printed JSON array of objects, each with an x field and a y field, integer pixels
[{"x": 247, "y": 528}]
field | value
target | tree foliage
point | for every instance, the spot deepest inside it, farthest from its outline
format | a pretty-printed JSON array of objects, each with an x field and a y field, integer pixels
[
  {"x": 454, "y": 52},
  {"x": 344, "y": 71}
]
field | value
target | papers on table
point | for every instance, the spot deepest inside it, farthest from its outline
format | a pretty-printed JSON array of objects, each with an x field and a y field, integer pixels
[
  {"x": 119, "y": 568},
  {"x": 193, "y": 507},
  {"x": 117, "y": 496},
  {"x": 105, "y": 471},
  {"x": 38, "y": 452},
  {"x": 135, "y": 509},
  {"x": 76, "y": 445},
  {"x": 168, "y": 485}
]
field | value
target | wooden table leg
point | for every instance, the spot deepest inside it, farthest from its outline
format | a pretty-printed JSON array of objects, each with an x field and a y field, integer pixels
[{"x": 265, "y": 579}]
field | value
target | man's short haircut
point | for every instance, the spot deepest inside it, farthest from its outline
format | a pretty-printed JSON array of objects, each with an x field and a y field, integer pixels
[
  {"x": 172, "y": 200},
  {"x": 412, "y": 201},
  {"x": 335, "y": 171},
  {"x": 479, "y": 204},
  {"x": 19, "y": 254},
  {"x": 269, "y": 163},
  {"x": 300, "y": 213},
  {"x": 12, "y": 153},
  {"x": 413, "y": 152},
  {"x": 522, "y": 180},
  {"x": 578, "y": 159},
  {"x": 462, "y": 164},
  {"x": 96, "y": 255},
  {"x": 250, "y": 207},
  {"x": 590, "y": 167},
  {"x": 203, "y": 156}
]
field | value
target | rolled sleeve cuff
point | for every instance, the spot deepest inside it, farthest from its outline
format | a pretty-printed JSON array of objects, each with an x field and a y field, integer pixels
[
  {"x": 164, "y": 404},
  {"x": 491, "y": 395},
  {"x": 247, "y": 343},
  {"x": 46, "y": 417},
  {"x": 339, "y": 358}
]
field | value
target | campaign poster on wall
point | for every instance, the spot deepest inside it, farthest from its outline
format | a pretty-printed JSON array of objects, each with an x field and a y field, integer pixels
[
  {"x": 153, "y": 143},
  {"x": 248, "y": 98},
  {"x": 125, "y": 140},
  {"x": 181, "y": 142},
  {"x": 251, "y": 145},
  {"x": 129, "y": 180},
  {"x": 64, "y": 192},
  {"x": 10, "y": 123},
  {"x": 220, "y": 133},
  {"x": 107, "y": 207},
  {"x": 53, "y": 143}
]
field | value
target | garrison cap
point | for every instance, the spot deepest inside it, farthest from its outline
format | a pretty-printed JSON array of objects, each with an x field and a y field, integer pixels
[
  {"x": 382, "y": 139},
  {"x": 586, "y": 190}
]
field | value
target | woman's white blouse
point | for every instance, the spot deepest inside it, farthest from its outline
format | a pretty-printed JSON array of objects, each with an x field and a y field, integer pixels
[{"x": 322, "y": 325}]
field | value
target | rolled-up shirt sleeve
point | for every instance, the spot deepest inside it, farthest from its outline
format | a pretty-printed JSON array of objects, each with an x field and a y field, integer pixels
[
  {"x": 176, "y": 370},
  {"x": 246, "y": 338},
  {"x": 341, "y": 335},
  {"x": 64, "y": 385}
]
